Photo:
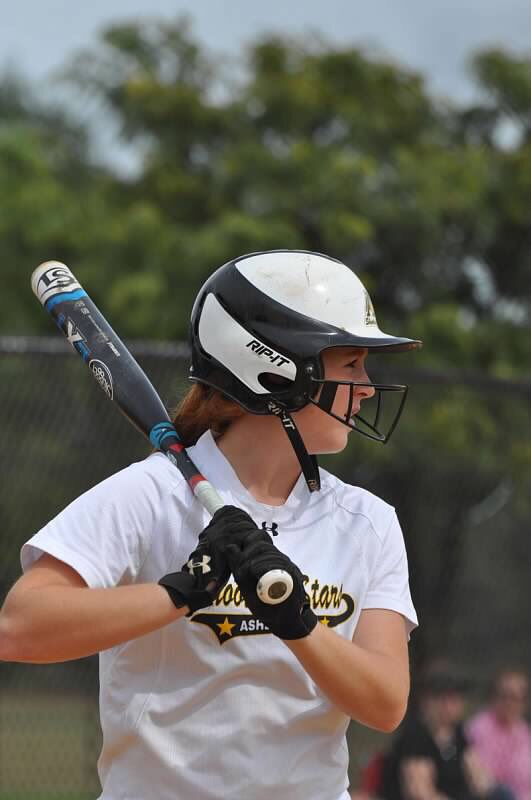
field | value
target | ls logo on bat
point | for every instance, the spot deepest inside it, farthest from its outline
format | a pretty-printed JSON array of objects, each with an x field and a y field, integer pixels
[{"x": 57, "y": 279}]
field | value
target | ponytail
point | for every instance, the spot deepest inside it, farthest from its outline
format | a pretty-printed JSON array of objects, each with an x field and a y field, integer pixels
[{"x": 201, "y": 409}]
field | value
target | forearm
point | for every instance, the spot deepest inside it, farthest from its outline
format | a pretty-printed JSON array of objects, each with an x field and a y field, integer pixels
[
  {"x": 367, "y": 686},
  {"x": 61, "y": 623}
]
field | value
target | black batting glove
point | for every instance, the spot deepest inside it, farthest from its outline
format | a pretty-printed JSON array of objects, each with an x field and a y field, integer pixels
[
  {"x": 249, "y": 561},
  {"x": 207, "y": 570}
]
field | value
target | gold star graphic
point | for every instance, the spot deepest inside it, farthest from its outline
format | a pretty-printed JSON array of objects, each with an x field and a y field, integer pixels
[
  {"x": 324, "y": 621},
  {"x": 225, "y": 626}
]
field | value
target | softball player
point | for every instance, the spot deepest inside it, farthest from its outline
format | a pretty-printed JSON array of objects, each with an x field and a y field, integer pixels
[{"x": 207, "y": 693}]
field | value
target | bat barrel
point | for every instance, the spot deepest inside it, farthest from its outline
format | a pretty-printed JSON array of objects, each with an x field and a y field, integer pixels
[{"x": 128, "y": 386}]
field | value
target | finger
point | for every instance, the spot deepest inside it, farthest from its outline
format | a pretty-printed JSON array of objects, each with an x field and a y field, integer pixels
[
  {"x": 256, "y": 537},
  {"x": 234, "y": 514},
  {"x": 242, "y": 528},
  {"x": 257, "y": 567},
  {"x": 229, "y": 529},
  {"x": 234, "y": 556},
  {"x": 238, "y": 538},
  {"x": 258, "y": 550},
  {"x": 222, "y": 516},
  {"x": 222, "y": 576}
]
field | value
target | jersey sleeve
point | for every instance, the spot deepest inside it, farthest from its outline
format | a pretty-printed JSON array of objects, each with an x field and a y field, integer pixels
[
  {"x": 104, "y": 534},
  {"x": 389, "y": 580}
]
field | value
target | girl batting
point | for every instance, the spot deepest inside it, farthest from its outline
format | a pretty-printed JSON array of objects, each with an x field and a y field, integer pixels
[{"x": 208, "y": 693}]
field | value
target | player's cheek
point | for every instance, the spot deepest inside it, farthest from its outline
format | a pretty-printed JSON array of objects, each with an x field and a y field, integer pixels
[{"x": 341, "y": 400}]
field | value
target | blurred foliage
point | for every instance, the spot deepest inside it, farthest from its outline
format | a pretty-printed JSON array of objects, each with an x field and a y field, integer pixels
[
  {"x": 301, "y": 145},
  {"x": 296, "y": 145}
]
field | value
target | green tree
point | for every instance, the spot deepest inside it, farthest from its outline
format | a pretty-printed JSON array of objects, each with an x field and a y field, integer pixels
[{"x": 49, "y": 190}]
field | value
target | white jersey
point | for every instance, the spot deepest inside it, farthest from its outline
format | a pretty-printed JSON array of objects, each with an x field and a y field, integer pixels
[{"x": 214, "y": 706}]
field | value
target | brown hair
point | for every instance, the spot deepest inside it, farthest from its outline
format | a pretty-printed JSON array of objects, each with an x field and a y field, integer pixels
[{"x": 201, "y": 409}]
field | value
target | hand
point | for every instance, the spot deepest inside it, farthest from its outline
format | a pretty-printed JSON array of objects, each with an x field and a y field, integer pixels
[
  {"x": 207, "y": 570},
  {"x": 478, "y": 777},
  {"x": 249, "y": 560}
]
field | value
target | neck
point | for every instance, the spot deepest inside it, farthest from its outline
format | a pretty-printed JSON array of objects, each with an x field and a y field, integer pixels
[
  {"x": 503, "y": 720},
  {"x": 440, "y": 730},
  {"x": 261, "y": 455}
]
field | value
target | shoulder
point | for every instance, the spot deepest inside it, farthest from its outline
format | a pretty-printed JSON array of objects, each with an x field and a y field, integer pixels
[
  {"x": 154, "y": 474},
  {"x": 359, "y": 503},
  {"x": 139, "y": 490},
  {"x": 481, "y": 727},
  {"x": 106, "y": 533},
  {"x": 155, "y": 471},
  {"x": 479, "y": 722}
]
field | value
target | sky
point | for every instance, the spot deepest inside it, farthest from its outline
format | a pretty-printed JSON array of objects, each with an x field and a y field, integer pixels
[
  {"x": 37, "y": 37},
  {"x": 436, "y": 37}
]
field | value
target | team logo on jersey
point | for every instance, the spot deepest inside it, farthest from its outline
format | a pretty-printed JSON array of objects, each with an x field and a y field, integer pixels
[{"x": 329, "y": 602}]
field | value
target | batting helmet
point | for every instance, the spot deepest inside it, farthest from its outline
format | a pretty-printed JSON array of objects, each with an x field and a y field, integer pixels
[{"x": 258, "y": 329}]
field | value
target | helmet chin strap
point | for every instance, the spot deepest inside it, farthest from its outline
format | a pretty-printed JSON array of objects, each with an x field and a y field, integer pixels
[{"x": 308, "y": 462}]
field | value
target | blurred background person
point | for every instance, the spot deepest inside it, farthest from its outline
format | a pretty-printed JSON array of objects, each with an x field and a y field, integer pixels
[
  {"x": 501, "y": 735},
  {"x": 431, "y": 758}
]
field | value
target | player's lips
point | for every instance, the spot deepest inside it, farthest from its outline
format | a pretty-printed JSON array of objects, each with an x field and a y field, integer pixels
[{"x": 354, "y": 412}]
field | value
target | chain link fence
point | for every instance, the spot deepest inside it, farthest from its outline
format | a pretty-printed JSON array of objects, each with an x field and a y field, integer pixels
[{"x": 465, "y": 511}]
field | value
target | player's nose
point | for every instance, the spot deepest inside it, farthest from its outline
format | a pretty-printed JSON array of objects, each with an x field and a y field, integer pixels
[{"x": 367, "y": 390}]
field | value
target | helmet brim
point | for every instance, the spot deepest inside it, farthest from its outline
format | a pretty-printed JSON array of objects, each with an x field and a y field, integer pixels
[{"x": 380, "y": 344}]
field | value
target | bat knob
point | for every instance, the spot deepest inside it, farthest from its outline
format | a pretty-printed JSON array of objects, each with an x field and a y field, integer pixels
[{"x": 274, "y": 587}]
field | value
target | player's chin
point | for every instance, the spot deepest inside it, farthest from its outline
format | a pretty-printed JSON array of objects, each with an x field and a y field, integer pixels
[{"x": 333, "y": 442}]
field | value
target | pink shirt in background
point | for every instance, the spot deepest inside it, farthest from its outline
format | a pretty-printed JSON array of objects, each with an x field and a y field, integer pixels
[{"x": 505, "y": 751}]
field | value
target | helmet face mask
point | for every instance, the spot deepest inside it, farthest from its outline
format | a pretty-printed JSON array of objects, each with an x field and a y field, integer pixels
[
  {"x": 381, "y": 425},
  {"x": 259, "y": 327}
]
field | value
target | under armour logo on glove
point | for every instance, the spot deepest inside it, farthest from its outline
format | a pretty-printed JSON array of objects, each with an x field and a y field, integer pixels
[
  {"x": 272, "y": 529},
  {"x": 204, "y": 564}
]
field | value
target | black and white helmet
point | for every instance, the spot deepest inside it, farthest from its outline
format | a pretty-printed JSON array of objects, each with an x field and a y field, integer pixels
[{"x": 260, "y": 324}]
